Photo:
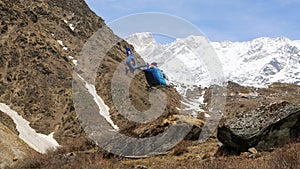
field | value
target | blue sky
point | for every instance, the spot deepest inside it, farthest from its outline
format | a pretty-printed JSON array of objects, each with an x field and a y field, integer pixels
[{"x": 234, "y": 20}]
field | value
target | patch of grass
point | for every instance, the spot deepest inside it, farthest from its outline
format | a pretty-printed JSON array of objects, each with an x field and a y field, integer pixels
[
  {"x": 61, "y": 158},
  {"x": 180, "y": 149},
  {"x": 288, "y": 157}
]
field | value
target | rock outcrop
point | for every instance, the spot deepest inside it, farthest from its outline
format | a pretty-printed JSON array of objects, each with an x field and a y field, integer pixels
[{"x": 262, "y": 128}]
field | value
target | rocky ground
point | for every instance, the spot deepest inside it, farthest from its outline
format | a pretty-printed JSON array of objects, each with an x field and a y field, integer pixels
[
  {"x": 212, "y": 153},
  {"x": 40, "y": 43}
]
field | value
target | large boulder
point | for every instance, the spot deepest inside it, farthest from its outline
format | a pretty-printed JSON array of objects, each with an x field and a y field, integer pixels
[{"x": 262, "y": 128}]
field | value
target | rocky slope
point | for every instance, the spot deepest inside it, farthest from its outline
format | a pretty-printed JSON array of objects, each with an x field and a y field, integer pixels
[
  {"x": 41, "y": 43},
  {"x": 38, "y": 39},
  {"x": 36, "y": 71}
]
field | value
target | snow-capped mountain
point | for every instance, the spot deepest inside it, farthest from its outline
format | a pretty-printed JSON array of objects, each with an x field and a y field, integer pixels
[
  {"x": 252, "y": 63},
  {"x": 260, "y": 61}
]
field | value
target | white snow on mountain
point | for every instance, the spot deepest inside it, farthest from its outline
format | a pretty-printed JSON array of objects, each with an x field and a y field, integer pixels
[
  {"x": 39, "y": 142},
  {"x": 253, "y": 63},
  {"x": 260, "y": 61},
  {"x": 103, "y": 108},
  {"x": 178, "y": 59}
]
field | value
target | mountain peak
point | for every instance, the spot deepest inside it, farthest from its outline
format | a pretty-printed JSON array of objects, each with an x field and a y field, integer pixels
[
  {"x": 142, "y": 40},
  {"x": 257, "y": 62}
]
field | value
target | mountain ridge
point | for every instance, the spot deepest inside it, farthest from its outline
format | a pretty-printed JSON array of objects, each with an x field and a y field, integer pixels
[{"x": 258, "y": 62}]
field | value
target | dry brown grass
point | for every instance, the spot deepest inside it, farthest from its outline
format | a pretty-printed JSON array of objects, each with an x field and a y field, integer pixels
[
  {"x": 287, "y": 157},
  {"x": 74, "y": 154},
  {"x": 73, "y": 160}
]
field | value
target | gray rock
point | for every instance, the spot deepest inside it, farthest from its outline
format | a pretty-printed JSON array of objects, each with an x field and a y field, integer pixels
[{"x": 262, "y": 128}]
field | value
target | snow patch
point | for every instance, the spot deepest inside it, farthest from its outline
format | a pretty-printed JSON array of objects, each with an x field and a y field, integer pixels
[
  {"x": 201, "y": 99},
  {"x": 39, "y": 142},
  {"x": 192, "y": 105},
  {"x": 103, "y": 108},
  {"x": 60, "y": 43},
  {"x": 207, "y": 115},
  {"x": 75, "y": 62},
  {"x": 72, "y": 27}
]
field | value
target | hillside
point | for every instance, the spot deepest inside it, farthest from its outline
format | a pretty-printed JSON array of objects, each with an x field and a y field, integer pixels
[
  {"x": 39, "y": 47},
  {"x": 42, "y": 44},
  {"x": 37, "y": 41}
]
